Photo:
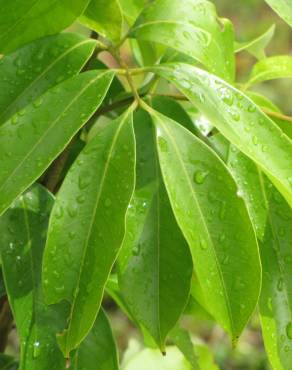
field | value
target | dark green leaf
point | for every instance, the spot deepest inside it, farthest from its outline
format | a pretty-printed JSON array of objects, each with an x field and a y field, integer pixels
[
  {"x": 22, "y": 21},
  {"x": 190, "y": 28},
  {"x": 155, "y": 265},
  {"x": 33, "y": 137},
  {"x": 23, "y": 234},
  {"x": 276, "y": 296},
  {"x": 105, "y": 17},
  {"x": 33, "y": 69},
  {"x": 238, "y": 119},
  {"x": 214, "y": 221},
  {"x": 87, "y": 226},
  {"x": 98, "y": 348}
]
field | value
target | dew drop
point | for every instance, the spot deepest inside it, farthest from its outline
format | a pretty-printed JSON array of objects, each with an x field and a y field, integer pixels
[
  {"x": 107, "y": 202},
  {"x": 200, "y": 176},
  {"x": 83, "y": 182}
]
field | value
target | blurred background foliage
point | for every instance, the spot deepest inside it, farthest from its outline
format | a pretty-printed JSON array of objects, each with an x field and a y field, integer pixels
[{"x": 250, "y": 18}]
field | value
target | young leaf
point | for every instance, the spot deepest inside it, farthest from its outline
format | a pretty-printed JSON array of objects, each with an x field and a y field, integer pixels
[
  {"x": 33, "y": 137},
  {"x": 256, "y": 47},
  {"x": 22, "y": 21},
  {"x": 270, "y": 69},
  {"x": 87, "y": 226},
  {"x": 23, "y": 234},
  {"x": 238, "y": 119},
  {"x": 214, "y": 221},
  {"x": 99, "y": 347},
  {"x": 283, "y": 8},
  {"x": 276, "y": 296},
  {"x": 105, "y": 17},
  {"x": 36, "y": 67},
  {"x": 155, "y": 265},
  {"x": 191, "y": 28},
  {"x": 132, "y": 8}
]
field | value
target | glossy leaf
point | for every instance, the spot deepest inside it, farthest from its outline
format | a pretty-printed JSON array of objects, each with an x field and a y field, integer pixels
[
  {"x": 105, "y": 17},
  {"x": 87, "y": 226},
  {"x": 155, "y": 265},
  {"x": 23, "y": 234},
  {"x": 214, "y": 221},
  {"x": 238, "y": 119},
  {"x": 270, "y": 69},
  {"x": 99, "y": 347},
  {"x": 22, "y": 21},
  {"x": 283, "y": 8},
  {"x": 249, "y": 179},
  {"x": 190, "y": 28},
  {"x": 276, "y": 296},
  {"x": 33, "y": 69},
  {"x": 256, "y": 47},
  {"x": 33, "y": 137}
]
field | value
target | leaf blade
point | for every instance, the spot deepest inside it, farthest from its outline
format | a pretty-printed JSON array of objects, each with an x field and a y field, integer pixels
[
  {"x": 94, "y": 202},
  {"x": 194, "y": 163},
  {"x": 28, "y": 147}
]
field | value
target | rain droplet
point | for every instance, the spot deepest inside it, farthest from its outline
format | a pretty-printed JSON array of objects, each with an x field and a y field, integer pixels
[
  {"x": 83, "y": 182},
  {"x": 107, "y": 202},
  {"x": 38, "y": 102},
  {"x": 200, "y": 176}
]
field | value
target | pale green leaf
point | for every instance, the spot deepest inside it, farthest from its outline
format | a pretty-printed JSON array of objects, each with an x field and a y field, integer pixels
[
  {"x": 214, "y": 221},
  {"x": 155, "y": 265},
  {"x": 256, "y": 47},
  {"x": 238, "y": 119},
  {"x": 283, "y": 8},
  {"x": 34, "y": 136},
  {"x": 270, "y": 69},
  {"x": 190, "y": 28},
  {"x": 22, "y": 21},
  {"x": 33, "y": 69},
  {"x": 87, "y": 225}
]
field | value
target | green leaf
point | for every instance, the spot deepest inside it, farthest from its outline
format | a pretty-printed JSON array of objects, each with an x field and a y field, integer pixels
[
  {"x": 182, "y": 340},
  {"x": 276, "y": 296},
  {"x": 23, "y": 234},
  {"x": 214, "y": 221},
  {"x": 105, "y": 17},
  {"x": 172, "y": 109},
  {"x": 238, "y": 119},
  {"x": 250, "y": 182},
  {"x": 87, "y": 225},
  {"x": 155, "y": 265},
  {"x": 283, "y": 8},
  {"x": 36, "y": 67},
  {"x": 270, "y": 69},
  {"x": 132, "y": 8},
  {"x": 256, "y": 47},
  {"x": 34, "y": 136},
  {"x": 99, "y": 347},
  {"x": 191, "y": 28},
  {"x": 22, "y": 21}
]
